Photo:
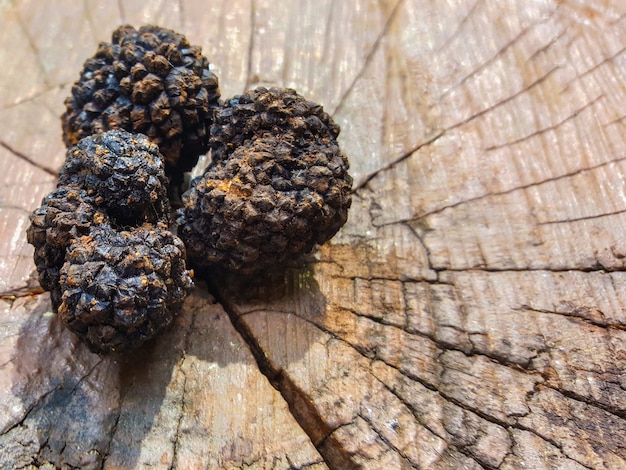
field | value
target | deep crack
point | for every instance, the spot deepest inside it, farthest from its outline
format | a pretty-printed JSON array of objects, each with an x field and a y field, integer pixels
[{"x": 300, "y": 405}]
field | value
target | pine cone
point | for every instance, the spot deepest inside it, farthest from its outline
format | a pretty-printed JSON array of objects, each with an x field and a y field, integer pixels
[
  {"x": 151, "y": 81},
  {"x": 123, "y": 173},
  {"x": 65, "y": 214},
  {"x": 269, "y": 112},
  {"x": 122, "y": 288},
  {"x": 113, "y": 288},
  {"x": 270, "y": 201}
]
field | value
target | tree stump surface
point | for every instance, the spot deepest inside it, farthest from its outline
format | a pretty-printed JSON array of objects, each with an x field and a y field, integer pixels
[{"x": 470, "y": 314}]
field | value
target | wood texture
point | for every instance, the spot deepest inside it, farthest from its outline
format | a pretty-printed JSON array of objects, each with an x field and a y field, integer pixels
[{"x": 469, "y": 315}]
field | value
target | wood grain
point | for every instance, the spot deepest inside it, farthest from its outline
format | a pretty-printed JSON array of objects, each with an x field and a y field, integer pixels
[{"x": 469, "y": 315}]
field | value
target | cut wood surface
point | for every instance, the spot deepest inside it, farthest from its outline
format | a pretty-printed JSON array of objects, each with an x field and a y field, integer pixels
[{"x": 470, "y": 314}]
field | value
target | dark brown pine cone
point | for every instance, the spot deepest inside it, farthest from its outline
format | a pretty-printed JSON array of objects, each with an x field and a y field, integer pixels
[
  {"x": 270, "y": 201},
  {"x": 269, "y": 112},
  {"x": 151, "y": 81},
  {"x": 123, "y": 173},
  {"x": 122, "y": 288},
  {"x": 64, "y": 215}
]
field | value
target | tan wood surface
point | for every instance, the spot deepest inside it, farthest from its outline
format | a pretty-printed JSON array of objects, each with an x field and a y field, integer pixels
[{"x": 471, "y": 313}]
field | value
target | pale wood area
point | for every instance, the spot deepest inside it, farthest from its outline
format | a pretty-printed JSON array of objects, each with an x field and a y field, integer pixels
[{"x": 471, "y": 314}]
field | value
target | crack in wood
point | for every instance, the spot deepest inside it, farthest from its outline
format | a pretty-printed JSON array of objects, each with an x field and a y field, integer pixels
[
  {"x": 13, "y": 207},
  {"x": 592, "y": 69},
  {"x": 550, "y": 441},
  {"x": 618, "y": 120},
  {"x": 591, "y": 269},
  {"x": 498, "y": 54},
  {"x": 573, "y": 315},
  {"x": 251, "y": 45},
  {"x": 33, "y": 46},
  {"x": 429, "y": 385},
  {"x": 34, "y": 184},
  {"x": 300, "y": 406},
  {"x": 441, "y": 345},
  {"x": 462, "y": 405},
  {"x": 31, "y": 409},
  {"x": 548, "y": 128},
  {"x": 436, "y": 136},
  {"x": 28, "y": 160},
  {"x": 456, "y": 33},
  {"x": 427, "y": 251},
  {"x": 368, "y": 58},
  {"x": 583, "y": 218},
  {"x": 182, "y": 360},
  {"x": 369, "y": 177},
  {"x": 618, "y": 413},
  {"x": 112, "y": 432},
  {"x": 560, "y": 35},
  {"x": 33, "y": 96},
  {"x": 534, "y": 184},
  {"x": 175, "y": 444},
  {"x": 122, "y": 10},
  {"x": 327, "y": 29},
  {"x": 389, "y": 444},
  {"x": 464, "y": 449}
]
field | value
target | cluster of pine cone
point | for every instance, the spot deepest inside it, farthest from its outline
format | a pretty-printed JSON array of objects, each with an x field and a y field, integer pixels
[
  {"x": 145, "y": 108},
  {"x": 103, "y": 248}
]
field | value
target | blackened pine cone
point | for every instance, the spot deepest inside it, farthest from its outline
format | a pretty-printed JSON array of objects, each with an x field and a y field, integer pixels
[
  {"x": 122, "y": 288},
  {"x": 151, "y": 81},
  {"x": 64, "y": 215},
  {"x": 115, "y": 289},
  {"x": 268, "y": 202},
  {"x": 122, "y": 172},
  {"x": 269, "y": 112}
]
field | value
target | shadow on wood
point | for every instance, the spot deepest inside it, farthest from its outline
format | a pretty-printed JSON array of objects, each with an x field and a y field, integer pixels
[{"x": 125, "y": 411}]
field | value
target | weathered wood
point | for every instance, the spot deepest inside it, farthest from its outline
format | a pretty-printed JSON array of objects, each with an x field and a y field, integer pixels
[{"x": 469, "y": 315}]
